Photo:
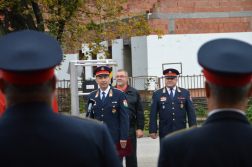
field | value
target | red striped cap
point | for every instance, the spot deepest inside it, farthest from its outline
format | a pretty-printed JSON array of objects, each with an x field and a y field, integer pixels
[
  {"x": 29, "y": 57},
  {"x": 27, "y": 78},
  {"x": 226, "y": 62},
  {"x": 170, "y": 73},
  {"x": 102, "y": 70}
]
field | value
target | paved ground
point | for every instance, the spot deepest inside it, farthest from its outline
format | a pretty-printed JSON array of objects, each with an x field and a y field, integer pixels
[{"x": 147, "y": 152}]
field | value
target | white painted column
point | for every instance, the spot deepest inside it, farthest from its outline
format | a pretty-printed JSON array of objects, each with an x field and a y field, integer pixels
[{"x": 88, "y": 69}]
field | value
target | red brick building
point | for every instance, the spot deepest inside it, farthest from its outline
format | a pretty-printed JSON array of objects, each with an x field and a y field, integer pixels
[{"x": 195, "y": 16}]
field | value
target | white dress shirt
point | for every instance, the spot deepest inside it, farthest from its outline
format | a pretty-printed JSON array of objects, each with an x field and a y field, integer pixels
[
  {"x": 173, "y": 90},
  {"x": 225, "y": 109},
  {"x": 106, "y": 92}
]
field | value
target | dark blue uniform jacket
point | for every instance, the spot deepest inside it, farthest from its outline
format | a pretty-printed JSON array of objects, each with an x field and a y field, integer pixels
[
  {"x": 224, "y": 140},
  {"x": 113, "y": 112},
  {"x": 31, "y": 134},
  {"x": 172, "y": 113}
]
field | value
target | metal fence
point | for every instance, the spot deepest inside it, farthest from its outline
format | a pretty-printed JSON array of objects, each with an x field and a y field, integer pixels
[
  {"x": 195, "y": 84},
  {"x": 187, "y": 82},
  {"x": 144, "y": 82},
  {"x": 63, "y": 94}
]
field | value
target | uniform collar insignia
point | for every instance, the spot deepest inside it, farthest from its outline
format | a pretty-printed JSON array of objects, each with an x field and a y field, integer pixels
[
  {"x": 110, "y": 93},
  {"x": 178, "y": 90},
  {"x": 97, "y": 94},
  {"x": 164, "y": 90}
]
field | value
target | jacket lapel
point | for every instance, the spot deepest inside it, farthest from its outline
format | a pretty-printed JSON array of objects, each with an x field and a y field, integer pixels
[
  {"x": 177, "y": 93},
  {"x": 98, "y": 98}
]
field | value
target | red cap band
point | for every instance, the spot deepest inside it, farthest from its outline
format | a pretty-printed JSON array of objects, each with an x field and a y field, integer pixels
[
  {"x": 27, "y": 79},
  {"x": 172, "y": 74},
  {"x": 102, "y": 72},
  {"x": 227, "y": 81}
]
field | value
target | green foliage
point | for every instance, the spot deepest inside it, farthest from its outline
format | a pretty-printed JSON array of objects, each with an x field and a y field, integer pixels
[
  {"x": 69, "y": 101},
  {"x": 82, "y": 103},
  {"x": 200, "y": 111},
  {"x": 75, "y": 22},
  {"x": 249, "y": 101},
  {"x": 147, "y": 119},
  {"x": 249, "y": 113}
]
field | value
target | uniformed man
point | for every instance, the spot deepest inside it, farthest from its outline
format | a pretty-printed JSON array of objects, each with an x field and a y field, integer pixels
[
  {"x": 136, "y": 114},
  {"x": 172, "y": 103},
  {"x": 110, "y": 106},
  {"x": 225, "y": 138},
  {"x": 31, "y": 133}
]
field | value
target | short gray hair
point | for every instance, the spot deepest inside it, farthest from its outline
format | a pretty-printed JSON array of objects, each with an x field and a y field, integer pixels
[
  {"x": 122, "y": 70},
  {"x": 229, "y": 95}
]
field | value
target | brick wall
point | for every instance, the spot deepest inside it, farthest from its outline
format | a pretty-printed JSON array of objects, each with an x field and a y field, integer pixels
[
  {"x": 212, "y": 25},
  {"x": 203, "y": 24},
  {"x": 161, "y": 24},
  {"x": 193, "y": 6},
  {"x": 135, "y": 6}
]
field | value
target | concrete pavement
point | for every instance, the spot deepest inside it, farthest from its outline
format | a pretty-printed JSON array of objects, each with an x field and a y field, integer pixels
[{"x": 147, "y": 152}]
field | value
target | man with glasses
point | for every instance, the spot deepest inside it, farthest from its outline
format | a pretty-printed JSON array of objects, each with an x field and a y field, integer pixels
[
  {"x": 136, "y": 113},
  {"x": 172, "y": 103}
]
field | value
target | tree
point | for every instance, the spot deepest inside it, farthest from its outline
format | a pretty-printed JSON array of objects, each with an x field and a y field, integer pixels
[{"x": 74, "y": 22}]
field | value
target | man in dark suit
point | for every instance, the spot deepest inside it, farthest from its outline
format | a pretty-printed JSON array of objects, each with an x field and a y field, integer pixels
[
  {"x": 110, "y": 106},
  {"x": 31, "y": 133},
  {"x": 136, "y": 114},
  {"x": 225, "y": 138},
  {"x": 172, "y": 103}
]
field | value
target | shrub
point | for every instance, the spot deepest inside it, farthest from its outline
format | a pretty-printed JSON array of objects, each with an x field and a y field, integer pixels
[
  {"x": 200, "y": 111},
  {"x": 249, "y": 114},
  {"x": 147, "y": 119}
]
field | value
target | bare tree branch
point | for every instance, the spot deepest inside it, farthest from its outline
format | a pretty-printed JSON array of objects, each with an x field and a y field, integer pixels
[
  {"x": 39, "y": 16},
  {"x": 2, "y": 31},
  {"x": 6, "y": 21},
  {"x": 28, "y": 18},
  {"x": 61, "y": 25}
]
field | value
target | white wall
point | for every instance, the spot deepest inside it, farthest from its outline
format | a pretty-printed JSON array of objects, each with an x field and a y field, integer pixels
[
  {"x": 139, "y": 55},
  {"x": 149, "y": 53},
  {"x": 62, "y": 74}
]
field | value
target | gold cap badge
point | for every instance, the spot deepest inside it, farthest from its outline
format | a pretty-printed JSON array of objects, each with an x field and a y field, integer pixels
[
  {"x": 170, "y": 72},
  {"x": 102, "y": 68}
]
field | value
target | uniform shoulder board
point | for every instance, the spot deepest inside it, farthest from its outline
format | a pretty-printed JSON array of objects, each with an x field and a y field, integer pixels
[
  {"x": 158, "y": 89},
  {"x": 93, "y": 91},
  {"x": 82, "y": 117},
  {"x": 182, "y": 130},
  {"x": 118, "y": 89}
]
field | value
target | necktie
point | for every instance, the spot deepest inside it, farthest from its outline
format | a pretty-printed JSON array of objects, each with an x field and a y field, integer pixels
[
  {"x": 171, "y": 94},
  {"x": 103, "y": 96}
]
